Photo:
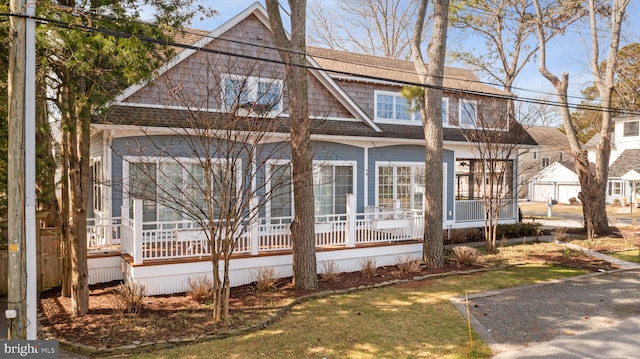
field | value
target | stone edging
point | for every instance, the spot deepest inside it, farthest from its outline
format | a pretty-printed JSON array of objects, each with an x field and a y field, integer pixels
[{"x": 149, "y": 346}]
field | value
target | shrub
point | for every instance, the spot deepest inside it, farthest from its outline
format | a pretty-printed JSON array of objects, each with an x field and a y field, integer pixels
[
  {"x": 368, "y": 267},
  {"x": 330, "y": 271},
  {"x": 130, "y": 297},
  {"x": 517, "y": 230},
  {"x": 464, "y": 255},
  {"x": 265, "y": 279},
  {"x": 573, "y": 200},
  {"x": 408, "y": 264},
  {"x": 200, "y": 288},
  {"x": 560, "y": 234},
  {"x": 616, "y": 202},
  {"x": 464, "y": 235}
]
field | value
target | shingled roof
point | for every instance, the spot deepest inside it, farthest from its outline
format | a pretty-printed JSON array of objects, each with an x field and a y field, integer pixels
[
  {"x": 627, "y": 161},
  {"x": 548, "y": 136},
  {"x": 341, "y": 63},
  {"x": 161, "y": 117}
]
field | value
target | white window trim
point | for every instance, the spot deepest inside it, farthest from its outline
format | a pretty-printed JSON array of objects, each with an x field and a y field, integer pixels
[
  {"x": 445, "y": 110},
  {"x": 96, "y": 164},
  {"x": 126, "y": 160},
  {"x": 474, "y": 103},
  {"x": 352, "y": 164},
  {"x": 252, "y": 86},
  {"x": 610, "y": 188},
  {"x": 394, "y": 164},
  {"x": 415, "y": 116},
  {"x": 268, "y": 184}
]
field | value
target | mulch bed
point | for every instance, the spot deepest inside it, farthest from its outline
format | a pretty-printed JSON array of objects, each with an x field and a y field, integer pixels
[{"x": 170, "y": 316}]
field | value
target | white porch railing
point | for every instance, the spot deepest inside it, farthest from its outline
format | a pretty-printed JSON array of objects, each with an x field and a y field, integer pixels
[
  {"x": 103, "y": 234},
  {"x": 182, "y": 239},
  {"x": 475, "y": 210}
]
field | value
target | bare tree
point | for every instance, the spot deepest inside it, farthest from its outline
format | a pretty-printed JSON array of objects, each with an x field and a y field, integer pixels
[
  {"x": 431, "y": 76},
  {"x": 374, "y": 27},
  {"x": 593, "y": 181},
  {"x": 293, "y": 54},
  {"x": 495, "y": 139},
  {"x": 210, "y": 177},
  {"x": 508, "y": 30}
]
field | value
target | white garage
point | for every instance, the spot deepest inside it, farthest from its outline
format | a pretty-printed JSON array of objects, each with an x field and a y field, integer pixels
[{"x": 554, "y": 181}]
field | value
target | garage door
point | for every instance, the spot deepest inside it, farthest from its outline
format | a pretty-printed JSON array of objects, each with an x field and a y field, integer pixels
[
  {"x": 542, "y": 192},
  {"x": 566, "y": 191}
]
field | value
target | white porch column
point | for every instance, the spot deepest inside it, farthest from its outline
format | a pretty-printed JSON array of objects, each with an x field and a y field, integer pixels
[
  {"x": 350, "y": 229},
  {"x": 137, "y": 231},
  {"x": 396, "y": 207},
  {"x": 254, "y": 234}
]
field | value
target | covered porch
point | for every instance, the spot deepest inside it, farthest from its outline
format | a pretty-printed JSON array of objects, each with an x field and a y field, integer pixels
[{"x": 145, "y": 241}]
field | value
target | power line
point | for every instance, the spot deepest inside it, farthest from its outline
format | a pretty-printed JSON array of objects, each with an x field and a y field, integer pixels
[{"x": 166, "y": 42}]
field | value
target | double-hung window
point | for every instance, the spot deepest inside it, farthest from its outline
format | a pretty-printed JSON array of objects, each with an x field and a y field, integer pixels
[
  {"x": 256, "y": 94},
  {"x": 615, "y": 188},
  {"x": 401, "y": 182},
  {"x": 631, "y": 129},
  {"x": 393, "y": 108},
  {"x": 468, "y": 112},
  {"x": 175, "y": 191}
]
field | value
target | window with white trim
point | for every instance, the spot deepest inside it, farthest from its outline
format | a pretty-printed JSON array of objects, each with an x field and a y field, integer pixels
[
  {"x": 393, "y": 107},
  {"x": 468, "y": 112},
  {"x": 261, "y": 95},
  {"x": 281, "y": 190},
  {"x": 445, "y": 110},
  {"x": 167, "y": 185},
  {"x": 615, "y": 188},
  {"x": 403, "y": 182},
  {"x": 631, "y": 129},
  {"x": 331, "y": 184},
  {"x": 534, "y": 155},
  {"x": 545, "y": 161}
]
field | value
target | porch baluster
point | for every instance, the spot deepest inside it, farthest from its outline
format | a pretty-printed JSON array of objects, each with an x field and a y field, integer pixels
[
  {"x": 137, "y": 231},
  {"x": 350, "y": 225},
  {"x": 254, "y": 233}
]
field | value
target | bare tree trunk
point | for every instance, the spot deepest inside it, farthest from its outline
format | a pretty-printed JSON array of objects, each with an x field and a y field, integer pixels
[
  {"x": 78, "y": 149},
  {"x": 305, "y": 274},
  {"x": 432, "y": 77},
  {"x": 593, "y": 182},
  {"x": 65, "y": 243}
]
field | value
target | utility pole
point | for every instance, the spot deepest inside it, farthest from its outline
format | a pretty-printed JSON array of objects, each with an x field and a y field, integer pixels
[{"x": 22, "y": 278}]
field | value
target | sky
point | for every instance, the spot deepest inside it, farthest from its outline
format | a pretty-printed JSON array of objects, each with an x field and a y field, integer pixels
[{"x": 568, "y": 53}]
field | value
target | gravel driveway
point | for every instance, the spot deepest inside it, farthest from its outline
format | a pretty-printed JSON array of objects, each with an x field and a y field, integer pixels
[{"x": 514, "y": 318}]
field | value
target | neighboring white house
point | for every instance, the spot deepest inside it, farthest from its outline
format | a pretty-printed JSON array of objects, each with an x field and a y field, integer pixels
[
  {"x": 552, "y": 147},
  {"x": 557, "y": 181},
  {"x": 624, "y": 163}
]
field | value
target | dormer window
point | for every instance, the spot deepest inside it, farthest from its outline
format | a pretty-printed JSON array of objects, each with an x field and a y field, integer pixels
[
  {"x": 631, "y": 129},
  {"x": 468, "y": 112},
  {"x": 393, "y": 108},
  {"x": 254, "y": 94}
]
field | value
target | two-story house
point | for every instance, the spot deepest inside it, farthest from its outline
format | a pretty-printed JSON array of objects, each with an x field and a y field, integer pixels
[
  {"x": 624, "y": 163},
  {"x": 368, "y": 157}
]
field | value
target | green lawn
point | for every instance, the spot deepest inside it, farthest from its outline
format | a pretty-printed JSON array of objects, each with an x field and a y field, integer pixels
[
  {"x": 629, "y": 256},
  {"x": 529, "y": 208},
  {"x": 411, "y": 321}
]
